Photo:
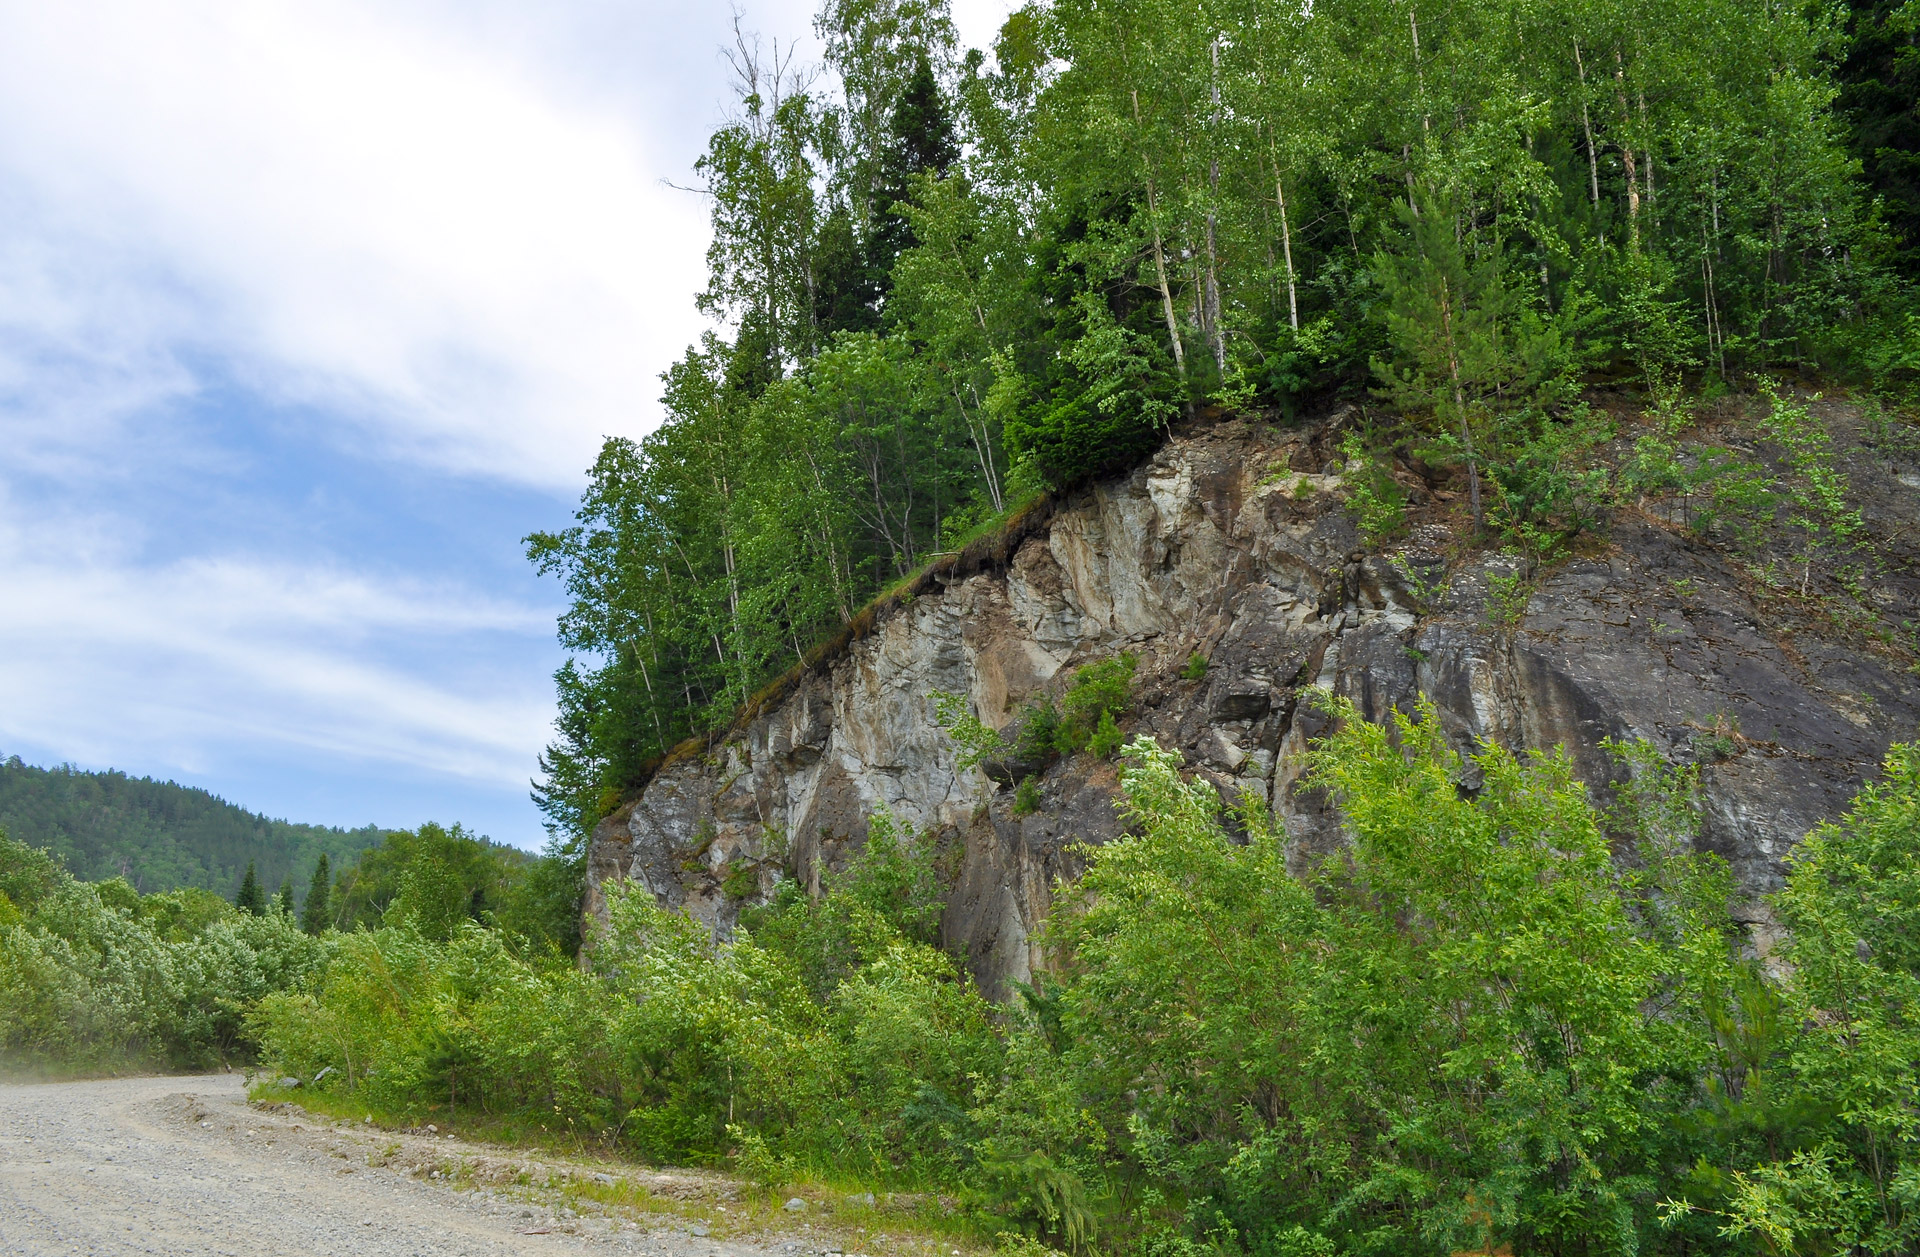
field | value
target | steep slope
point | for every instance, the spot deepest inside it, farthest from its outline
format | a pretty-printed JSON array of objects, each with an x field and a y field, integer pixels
[
  {"x": 1235, "y": 542},
  {"x": 159, "y": 835}
]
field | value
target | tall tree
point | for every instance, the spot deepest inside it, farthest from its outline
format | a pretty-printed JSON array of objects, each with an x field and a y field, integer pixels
[
  {"x": 250, "y": 898},
  {"x": 920, "y": 144},
  {"x": 316, "y": 912},
  {"x": 873, "y": 48},
  {"x": 1880, "y": 100}
]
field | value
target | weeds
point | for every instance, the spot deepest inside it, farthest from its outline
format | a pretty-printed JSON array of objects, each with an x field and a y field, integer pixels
[
  {"x": 1378, "y": 503},
  {"x": 1507, "y": 599}
]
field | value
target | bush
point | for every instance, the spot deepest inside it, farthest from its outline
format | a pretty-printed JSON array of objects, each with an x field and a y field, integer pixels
[
  {"x": 97, "y": 977},
  {"x": 1085, "y": 719},
  {"x": 827, "y": 1030},
  {"x": 1470, "y": 1030},
  {"x": 1112, "y": 411},
  {"x": 1100, "y": 692}
]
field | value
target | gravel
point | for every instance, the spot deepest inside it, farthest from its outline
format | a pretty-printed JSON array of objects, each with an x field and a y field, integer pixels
[{"x": 185, "y": 1165}]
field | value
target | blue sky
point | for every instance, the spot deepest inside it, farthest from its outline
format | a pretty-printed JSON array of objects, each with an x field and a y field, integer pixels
[{"x": 308, "y": 313}]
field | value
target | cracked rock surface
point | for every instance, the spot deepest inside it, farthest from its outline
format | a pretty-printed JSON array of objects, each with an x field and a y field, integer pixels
[{"x": 1234, "y": 542}]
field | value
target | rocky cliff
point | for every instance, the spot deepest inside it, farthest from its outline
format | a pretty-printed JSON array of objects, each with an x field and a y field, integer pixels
[{"x": 1235, "y": 542}]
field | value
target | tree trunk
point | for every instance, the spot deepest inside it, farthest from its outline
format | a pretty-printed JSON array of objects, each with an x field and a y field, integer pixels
[
  {"x": 1214, "y": 332},
  {"x": 1160, "y": 254},
  {"x": 1646, "y": 134},
  {"x": 1286, "y": 239},
  {"x": 1586, "y": 122},
  {"x": 982, "y": 437},
  {"x": 1419, "y": 71},
  {"x": 1626, "y": 153},
  {"x": 1460, "y": 405}
]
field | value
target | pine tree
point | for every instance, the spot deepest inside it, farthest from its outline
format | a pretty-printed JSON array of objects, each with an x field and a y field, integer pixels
[
  {"x": 283, "y": 902},
  {"x": 251, "y": 898},
  {"x": 921, "y": 142},
  {"x": 315, "y": 912}
]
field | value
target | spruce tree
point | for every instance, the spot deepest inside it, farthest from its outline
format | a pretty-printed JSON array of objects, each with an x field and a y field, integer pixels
[
  {"x": 283, "y": 902},
  {"x": 920, "y": 141},
  {"x": 314, "y": 913},
  {"x": 251, "y": 898}
]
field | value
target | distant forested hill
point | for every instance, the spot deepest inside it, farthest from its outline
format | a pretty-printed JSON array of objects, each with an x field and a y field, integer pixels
[{"x": 160, "y": 835}]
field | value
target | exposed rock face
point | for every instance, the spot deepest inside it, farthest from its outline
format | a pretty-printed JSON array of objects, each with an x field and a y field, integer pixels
[{"x": 1234, "y": 542}]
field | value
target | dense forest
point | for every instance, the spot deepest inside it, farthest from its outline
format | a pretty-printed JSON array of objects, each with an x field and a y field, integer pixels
[
  {"x": 160, "y": 836},
  {"x": 955, "y": 280}
]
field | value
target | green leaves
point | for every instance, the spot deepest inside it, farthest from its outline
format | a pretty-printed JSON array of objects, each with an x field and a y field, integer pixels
[{"x": 1440, "y": 1039}]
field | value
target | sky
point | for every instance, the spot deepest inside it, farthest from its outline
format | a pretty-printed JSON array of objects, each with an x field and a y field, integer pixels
[{"x": 309, "y": 313}]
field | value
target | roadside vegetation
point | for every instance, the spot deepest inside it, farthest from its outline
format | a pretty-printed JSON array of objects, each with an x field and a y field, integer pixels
[
  {"x": 1501, "y": 1017},
  {"x": 98, "y": 978},
  {"x": 1475, "y": 1027}
]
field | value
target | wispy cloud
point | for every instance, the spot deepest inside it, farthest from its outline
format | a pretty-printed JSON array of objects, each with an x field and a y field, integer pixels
[
  {"x": 263, "y": 262},
  {"x": 344, "y": 209},
  {"x": 177, "y": 664}
]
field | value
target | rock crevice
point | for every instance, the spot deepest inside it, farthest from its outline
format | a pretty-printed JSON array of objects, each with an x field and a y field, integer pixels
[{"x": 1234, "y": 543}]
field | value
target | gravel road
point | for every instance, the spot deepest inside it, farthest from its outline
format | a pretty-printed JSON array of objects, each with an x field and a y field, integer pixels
[{"x": 185, "y": 1165}]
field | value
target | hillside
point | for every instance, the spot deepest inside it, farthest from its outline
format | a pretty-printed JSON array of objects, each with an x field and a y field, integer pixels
[
  {"x": 1230, "y": 574},
  {"x": 160, "y": 835}
]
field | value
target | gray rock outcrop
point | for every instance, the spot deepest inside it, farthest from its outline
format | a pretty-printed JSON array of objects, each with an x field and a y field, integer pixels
[{"x": 1234, "y": 542}]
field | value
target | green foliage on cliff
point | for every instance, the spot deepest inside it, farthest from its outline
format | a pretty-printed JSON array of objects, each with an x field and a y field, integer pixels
[
  {"x": 1474, "y": 1029},
  {"x": 158, "y": 835},
  {"x": 951, "y": 279}
]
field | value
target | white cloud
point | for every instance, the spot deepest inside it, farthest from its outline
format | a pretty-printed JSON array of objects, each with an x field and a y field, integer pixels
[
  {"x": 339, "y": 208},
  {"x": 180, "y": 664},
  {"x": 436, "y": 230},
  {"x": 445, "y": 224}
]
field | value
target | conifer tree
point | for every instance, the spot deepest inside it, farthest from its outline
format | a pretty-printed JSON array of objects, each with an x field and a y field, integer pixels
[
  {"x": 251, "y": 898},
  {"x": 920, "y": 141},
  {"x": 283, "y": 902},
  {"x": 314, "y": 913}
]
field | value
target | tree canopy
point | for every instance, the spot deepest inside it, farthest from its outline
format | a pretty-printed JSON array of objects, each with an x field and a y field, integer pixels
[{"x": 956, "y": 278}]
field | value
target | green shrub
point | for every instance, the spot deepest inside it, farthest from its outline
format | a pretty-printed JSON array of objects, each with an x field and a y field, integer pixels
[
  {"x": 977, "y": 741},
  {"x": 1378, "y": 504},
  {"x": 1816, "y": 490},
  {"x": 1038, "y": 738},
  {"x": 97, "y": 977},
  {"x": 1115, "y": 408},
  {"x": 1085, "y": 719},
  {"x": 1106, "y": 738},
  {"x": 1195, "y": 669},
  {"x": 1851, "y": 907},
  {"x": 742, "y": 880},
  {"x": 1470, "y": 1030},
  {"x": 1099, "y": 693},
  {"x": 1507, "y": 599}
]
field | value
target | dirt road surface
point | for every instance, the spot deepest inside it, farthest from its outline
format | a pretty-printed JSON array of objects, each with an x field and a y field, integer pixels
[{"x": 185, "y": 1165}]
